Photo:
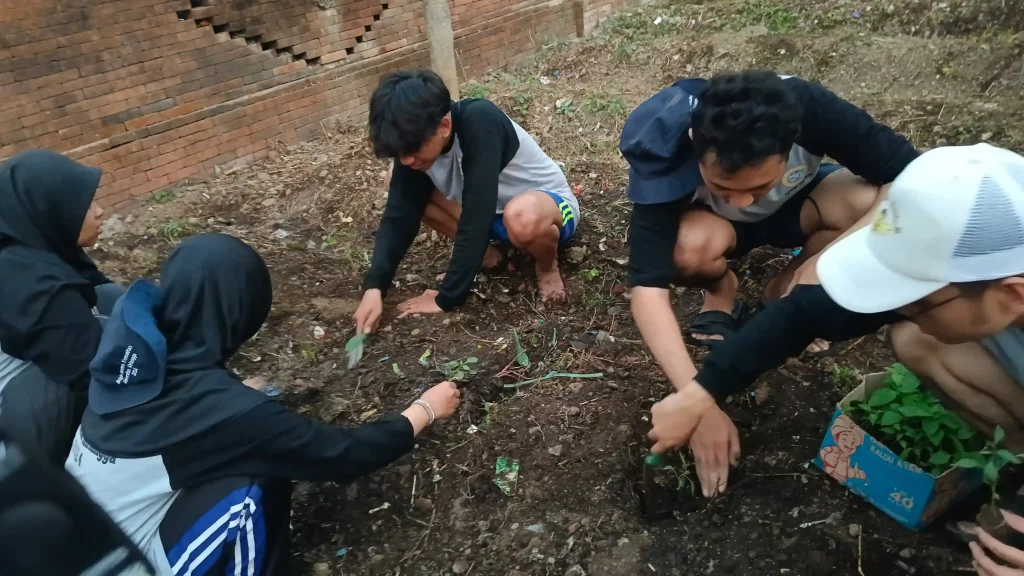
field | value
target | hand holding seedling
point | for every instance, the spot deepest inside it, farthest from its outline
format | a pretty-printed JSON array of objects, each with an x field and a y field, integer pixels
[
  {"x": 716, "y": 446},
  {"x": 675, "y": 418},
  {"x": 1011, "y": 556},
  {"x": 422, "y": 304},
  {"x": 367, "y": 315}
]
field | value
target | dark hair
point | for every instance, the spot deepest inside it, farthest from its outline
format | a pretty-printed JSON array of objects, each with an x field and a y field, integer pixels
[
  {"x": 405, "y": 111},
  {"x": 745, "y": 117}
]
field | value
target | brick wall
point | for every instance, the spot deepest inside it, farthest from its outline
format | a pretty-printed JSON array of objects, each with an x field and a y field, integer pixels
[{"x": 155, "y": 91}]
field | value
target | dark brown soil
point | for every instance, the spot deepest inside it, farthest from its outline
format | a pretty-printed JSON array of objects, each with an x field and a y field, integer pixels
[{"x": 941, "y": 75}]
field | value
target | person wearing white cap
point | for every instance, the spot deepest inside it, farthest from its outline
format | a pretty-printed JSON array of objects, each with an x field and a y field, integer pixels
[{"x": 941, "y": 259}]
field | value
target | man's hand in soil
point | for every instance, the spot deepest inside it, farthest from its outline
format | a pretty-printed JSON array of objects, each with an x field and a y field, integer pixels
[
  {"x": 987, "y": 546},
  {"x": 422, "y": 304},
  {"x": 716, "y": 446},
  {"x": 675, "y": 418},
  {"x": 367, "y": 315}
]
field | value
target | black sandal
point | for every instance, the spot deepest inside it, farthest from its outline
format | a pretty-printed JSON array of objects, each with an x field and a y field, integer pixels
[{"x": 713, "y": 323}]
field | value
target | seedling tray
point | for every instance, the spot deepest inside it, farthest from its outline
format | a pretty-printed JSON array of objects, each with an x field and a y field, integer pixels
[{"x": 857, "y": 460}]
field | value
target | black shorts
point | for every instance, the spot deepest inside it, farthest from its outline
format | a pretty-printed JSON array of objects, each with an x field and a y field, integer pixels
[{"x": 781, "y": 229}]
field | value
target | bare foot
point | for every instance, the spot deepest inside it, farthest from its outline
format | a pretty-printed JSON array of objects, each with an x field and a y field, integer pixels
[
  {"x": 256, "y": 383},
  {"x": 492, "y": 258},
  {"x": 550, "y": 285},
  {"x": 818, "y": 346}
]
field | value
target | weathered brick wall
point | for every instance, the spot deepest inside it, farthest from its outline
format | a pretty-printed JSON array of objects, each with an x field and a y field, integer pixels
[{"x": 155, "y": 91}]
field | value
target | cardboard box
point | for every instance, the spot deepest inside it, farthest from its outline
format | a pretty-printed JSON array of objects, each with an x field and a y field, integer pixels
[{"x": 863, "y": 464}]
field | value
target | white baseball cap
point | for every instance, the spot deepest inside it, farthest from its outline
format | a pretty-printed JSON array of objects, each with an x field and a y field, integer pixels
[{"x": 955, "y": 214}]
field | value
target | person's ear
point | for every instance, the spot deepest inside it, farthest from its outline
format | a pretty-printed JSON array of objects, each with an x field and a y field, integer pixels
[
  {"x": 1011, "y": 292},
  {"x": 446, "y": 125}
]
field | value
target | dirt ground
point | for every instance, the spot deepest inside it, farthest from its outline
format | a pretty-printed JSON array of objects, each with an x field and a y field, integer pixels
[{"x": 941, "y": 73}]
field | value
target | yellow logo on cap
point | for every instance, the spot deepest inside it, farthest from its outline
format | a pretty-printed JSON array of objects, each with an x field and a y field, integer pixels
[{"x": 886, "y": 221}]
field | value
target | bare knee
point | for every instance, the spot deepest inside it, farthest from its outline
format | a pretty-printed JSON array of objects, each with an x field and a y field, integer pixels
[
  {"x": 917, "y": 351},
  {"x": 843, "y": 199},
  {"x": 694, "y": 256},
  {"x": 525, "y": 220}
]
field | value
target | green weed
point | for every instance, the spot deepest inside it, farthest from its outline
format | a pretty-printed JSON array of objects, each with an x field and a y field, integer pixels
[
  {"x": 164, "y": 195},
  {"x": 174, "y": 230},
  {"x": 474, "y": 90},
  {"x": 565, "y": 107},
  {"x": 768, "y": 14},
  {"x": 613, "y": 106},
  {"x": 590, "y": 274},
  {"x": 521, "y": 103}
]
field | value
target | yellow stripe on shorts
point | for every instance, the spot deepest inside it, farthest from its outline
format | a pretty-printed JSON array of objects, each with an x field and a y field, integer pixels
[{"x": 566, "y": 209}]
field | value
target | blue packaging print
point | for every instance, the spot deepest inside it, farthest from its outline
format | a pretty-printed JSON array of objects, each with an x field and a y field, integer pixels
[{"x": 855, "y": 459}]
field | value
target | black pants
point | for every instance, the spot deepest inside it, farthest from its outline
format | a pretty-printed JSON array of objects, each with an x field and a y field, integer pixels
[
  {"x": 44, "y": 413},
  {"x": 228, "y": 526}
]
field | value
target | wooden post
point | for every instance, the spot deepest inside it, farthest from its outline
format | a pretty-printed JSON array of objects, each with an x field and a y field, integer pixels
[{"x": 442, "y": 45}]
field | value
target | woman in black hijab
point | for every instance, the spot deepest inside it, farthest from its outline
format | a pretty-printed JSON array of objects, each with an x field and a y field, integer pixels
[
  {"x": 190, "y": 462},
  {"x": 51, "y": 296}
]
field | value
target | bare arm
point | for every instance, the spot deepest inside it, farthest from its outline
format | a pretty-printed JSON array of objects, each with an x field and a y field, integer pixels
[{"x": 657, "y": 322}]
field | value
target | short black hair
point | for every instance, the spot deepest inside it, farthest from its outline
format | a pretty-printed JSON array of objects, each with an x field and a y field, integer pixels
[
  {"x": 405, "y": 111},
  {"x": 745, "y": 117}
]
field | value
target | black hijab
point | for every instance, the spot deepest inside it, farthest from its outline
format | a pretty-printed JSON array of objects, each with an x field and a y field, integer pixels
[
  {"x": 159, "y": 377},
  {"x": 44, "y": 199}
]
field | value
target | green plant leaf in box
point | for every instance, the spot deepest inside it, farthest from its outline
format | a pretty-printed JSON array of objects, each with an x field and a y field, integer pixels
[
  {"x": 940, "y": 458},
  {"x": 891, "y": 417},
  {"x": 931, "y": 427},
  {"x": 998, "y": 435},
  {"x": 990, "y": 472},
  {"x": 914, "y": 412},
  {"x": 1007, "y": 456},
  {"x": 882, "y": 396}
]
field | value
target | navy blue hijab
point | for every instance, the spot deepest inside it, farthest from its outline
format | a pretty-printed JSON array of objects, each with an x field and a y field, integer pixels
[
  {"x": 159, "y": 377},
  {"x": 48, "y": 282}
]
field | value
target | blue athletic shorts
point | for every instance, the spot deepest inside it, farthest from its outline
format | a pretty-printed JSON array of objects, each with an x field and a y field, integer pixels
[{"x": 500, "y": 234}]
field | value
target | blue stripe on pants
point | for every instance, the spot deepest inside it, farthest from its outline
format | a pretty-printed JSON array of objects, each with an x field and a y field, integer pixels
[{"x": 234, "y": 525}]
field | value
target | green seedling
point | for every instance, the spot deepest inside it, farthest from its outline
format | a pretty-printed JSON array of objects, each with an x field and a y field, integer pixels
[
  {"x": 991, "y": 460},
  {"x": 458, "y": 370},
  {"x": 915, "y": 424},
  {"x": 521, "y": 356},
  {"x": 490, "y": 414},
  {"x": 425, "y": 358},
  {"x": 843, "y": 376},
  {"x": 590, "y": 274},
  {"x": 397, "y": 370}
]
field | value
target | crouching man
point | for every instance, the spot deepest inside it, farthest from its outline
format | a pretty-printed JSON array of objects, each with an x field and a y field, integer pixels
[{"x": 466, "y": 170}]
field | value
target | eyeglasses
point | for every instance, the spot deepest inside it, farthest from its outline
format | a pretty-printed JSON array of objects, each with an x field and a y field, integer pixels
[{"x": 922, "y": 307}]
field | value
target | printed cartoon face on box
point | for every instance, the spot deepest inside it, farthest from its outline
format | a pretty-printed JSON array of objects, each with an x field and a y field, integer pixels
[
  {"x": 835, "y": 460},
  {"x": 864, "y": 465}
]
